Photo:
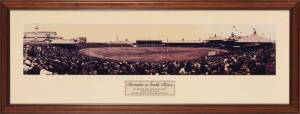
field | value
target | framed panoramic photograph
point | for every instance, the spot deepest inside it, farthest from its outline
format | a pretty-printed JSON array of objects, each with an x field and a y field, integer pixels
[{"x": 150, "y": 56}]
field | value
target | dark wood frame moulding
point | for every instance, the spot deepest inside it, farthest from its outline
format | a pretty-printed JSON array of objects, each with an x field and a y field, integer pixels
[{"x": 292, "y": 5}]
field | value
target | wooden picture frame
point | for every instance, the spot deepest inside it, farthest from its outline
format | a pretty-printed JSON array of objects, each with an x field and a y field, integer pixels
[{"x": 292, "y": 5}]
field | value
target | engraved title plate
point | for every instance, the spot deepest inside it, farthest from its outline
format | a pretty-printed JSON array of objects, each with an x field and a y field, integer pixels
[{"x": 149, "y": 88}]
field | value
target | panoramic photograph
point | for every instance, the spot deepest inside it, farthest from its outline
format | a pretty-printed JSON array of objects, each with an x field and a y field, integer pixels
[{"x": 149, "y": 49}]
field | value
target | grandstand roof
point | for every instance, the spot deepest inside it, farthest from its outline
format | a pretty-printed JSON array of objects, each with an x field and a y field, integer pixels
[
  {"x": 254, "y": 38},
  {"x": 62, "y": 41},
  {"x": 216, "y": 38},
  {"x": 148, "y": 40},
  {"x": 185, "y": 41}
]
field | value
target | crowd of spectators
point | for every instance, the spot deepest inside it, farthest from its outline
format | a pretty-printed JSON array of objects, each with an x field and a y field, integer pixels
[{"x": 49, "y": 59}]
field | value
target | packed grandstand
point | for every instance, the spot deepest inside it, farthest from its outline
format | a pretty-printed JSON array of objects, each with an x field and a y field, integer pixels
[{"x": 251, "y": 55}]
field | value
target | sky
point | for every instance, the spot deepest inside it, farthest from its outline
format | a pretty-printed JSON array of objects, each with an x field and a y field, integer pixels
[{"x": 170, "y": 32}]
